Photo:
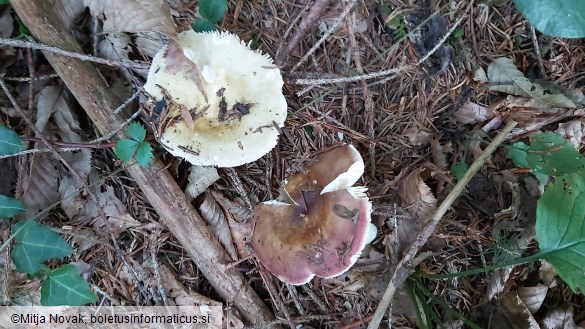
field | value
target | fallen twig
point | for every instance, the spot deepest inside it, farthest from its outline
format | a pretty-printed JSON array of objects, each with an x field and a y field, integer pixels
[
  {"x": 306, "y": 25},
  {"x": 404, "y": 268},
  {"x": 83, "y": 57}
]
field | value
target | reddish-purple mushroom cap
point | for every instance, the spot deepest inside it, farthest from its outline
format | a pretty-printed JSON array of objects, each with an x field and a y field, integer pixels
[{"x": 322, "y": 224}]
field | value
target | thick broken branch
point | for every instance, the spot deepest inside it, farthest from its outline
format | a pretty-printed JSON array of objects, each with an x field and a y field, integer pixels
[{"x": 90, "y": 89}]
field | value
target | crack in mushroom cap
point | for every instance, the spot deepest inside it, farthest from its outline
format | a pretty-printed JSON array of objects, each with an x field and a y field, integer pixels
[
  {"x": 233, "y": 94},
  {"x": 315, "y": 233}
]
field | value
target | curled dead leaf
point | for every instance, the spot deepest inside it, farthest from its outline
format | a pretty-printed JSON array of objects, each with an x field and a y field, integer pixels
[
  {"x": 473, "y": 113},
  {"x": 417, "y": 136},
  {"x": 215, "y": 218},
  {"x": 439, "y": 156},
  {"x": 417, "y": 196},
  {"x": 200, "y": 178}
]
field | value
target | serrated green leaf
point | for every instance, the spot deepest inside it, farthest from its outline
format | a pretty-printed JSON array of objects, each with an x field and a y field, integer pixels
[
  {"x": 10, "y": 207},
  {"x": 125, "y": 149},
  {"x": 10, "y": 142},
  {"x": 505, "y": 77},
  {"x": 35, "y": 244},
  {"x": 144, "y": 154},
  {"x": 458, "y": 169},
  {"x": 213, "y": 10},
  {"x": 203, "y": 25},
  {"x": 560, "y": 228},
  {"x": 559, "y": 18},
  {"x": 65, "y": 286},
  {"x": 136, "y": 131}
]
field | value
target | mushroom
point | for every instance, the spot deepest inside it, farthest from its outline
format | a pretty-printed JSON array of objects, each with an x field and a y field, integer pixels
[
  {"x": 224, "y": 101},
  {"x": 320, "y": 225}
]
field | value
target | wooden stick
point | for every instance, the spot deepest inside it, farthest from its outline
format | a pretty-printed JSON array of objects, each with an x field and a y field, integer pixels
[{"x": 91, "y": 91}]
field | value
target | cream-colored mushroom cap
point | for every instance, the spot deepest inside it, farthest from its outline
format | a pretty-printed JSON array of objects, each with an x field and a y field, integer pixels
[{"x": 224, "y": 100}]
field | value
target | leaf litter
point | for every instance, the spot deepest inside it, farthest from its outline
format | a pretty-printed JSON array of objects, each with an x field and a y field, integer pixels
[{"x": 407, "y": 139}]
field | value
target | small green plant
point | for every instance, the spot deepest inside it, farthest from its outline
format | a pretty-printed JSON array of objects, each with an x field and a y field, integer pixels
[
  {"x": 34, "y": 245},
  {"x": 557, "y": 18},
  {"x": 10, "y": 142},
  {"x": 135, "y": 147},
  {"x": 560, "y": 212},
  {"x": 211, "y": 11}
]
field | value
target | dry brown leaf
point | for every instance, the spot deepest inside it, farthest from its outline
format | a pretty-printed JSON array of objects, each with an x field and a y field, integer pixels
[
  {"x": 149, "y": 43},
  {"x": 240, "y": 220},
  {"x": 176, "y": 59},
  {"x": 187, "y": 117},
  {"x": 119, "y": 218},
  {"x": 68, "y": 11},
  {"x": 86, "y": 238},
  {"x": 416, "y": 136},
  {"x": 439, "y": 156},
  {"x": 547, "y": 274},
  {"x": 510, "y": 312},
  {"x": 115, "y": 46},
  {"x": 54, "y": 103},
  {"x": 6, "y": 24},
  {"x": 40, "y": 184},
  {"x": 417, "y": 196},
  {"x": 215, "y": 218},
  {"x": 480, "y": 76},
  {"x": 559, "y": 317},
  {"x": 177, "y": 291},
  {"x": 71, "y": 200},
  {"x": 533, "y": 296},
  {"x": 7, "y": 54},
  {"x": 200, "y": 179},
  {"x": 133, "y": 15},
  {"x": 473, "y": 113},
  {"x": 505, "y": 77}
]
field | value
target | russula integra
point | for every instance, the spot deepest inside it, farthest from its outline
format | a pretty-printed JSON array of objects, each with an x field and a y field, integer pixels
[
  {"x": 224, "y": 101},
  {"x": 320, "y": 225}
]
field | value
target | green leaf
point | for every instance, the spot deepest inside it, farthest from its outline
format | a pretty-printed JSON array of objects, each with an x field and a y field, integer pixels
[
  {"x": 458, "y": 169},
  {"x": 548, "y": 154},
  {"x": 136, "y": 131},
  {"x": 518, "y": 154},
  {"x": 213, "y": 10},
  {"x": 10, "y": 207},
  {"x": 560, "y": 228},
  {"x": 125, "y": 149},
  {"x": 204, "y": 25},
  {"x": 65, "y": 286},
  {"x": 559, "y": 18},
  {"x": 144, "y": 154},
  {"x": 35, "y": 244},
  {"x": 10, "y": 142},
  {"x": 4, "y": 2}
]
